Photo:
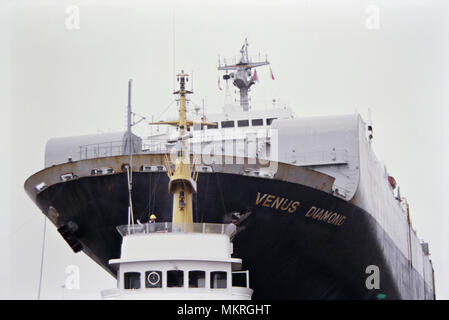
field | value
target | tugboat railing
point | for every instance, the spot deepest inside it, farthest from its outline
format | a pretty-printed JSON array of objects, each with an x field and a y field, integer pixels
[{"x": 167, "y": 227}]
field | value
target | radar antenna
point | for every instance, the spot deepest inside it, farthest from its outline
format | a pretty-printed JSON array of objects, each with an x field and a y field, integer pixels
[{"x": 243, "y": 78}]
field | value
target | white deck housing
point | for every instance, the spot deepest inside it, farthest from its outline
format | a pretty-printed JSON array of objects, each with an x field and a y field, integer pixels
[{"x": 178, "y": 261}]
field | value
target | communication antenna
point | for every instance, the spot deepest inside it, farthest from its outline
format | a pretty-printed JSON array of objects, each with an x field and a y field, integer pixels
[
  {"x": 241, "y": 74},
  {"x": 129, "y": 145},
  {"x": 174, "y": 50},
  {"x": 130, "y": 121},
  {"x": 204, "y": 114},
  {"x": 128, "y": 124}
]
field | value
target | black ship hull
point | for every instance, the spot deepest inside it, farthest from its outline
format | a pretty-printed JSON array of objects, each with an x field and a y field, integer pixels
[{"x": 296, "y": 241}]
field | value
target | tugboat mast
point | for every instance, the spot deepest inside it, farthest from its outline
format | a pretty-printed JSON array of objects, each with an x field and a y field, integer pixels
[
  {"x": 179, "y": 266},
  {"x": 182, "y": 180},
  {"x": 183, "y": 177}
]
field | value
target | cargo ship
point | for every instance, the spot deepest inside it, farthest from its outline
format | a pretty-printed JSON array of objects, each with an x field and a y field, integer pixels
[{"x": 318, "y": 216}]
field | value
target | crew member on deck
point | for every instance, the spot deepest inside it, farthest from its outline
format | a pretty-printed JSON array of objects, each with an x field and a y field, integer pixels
[
  {"x": 152, "y": 222},
  {"x": 151, "y": 219}
]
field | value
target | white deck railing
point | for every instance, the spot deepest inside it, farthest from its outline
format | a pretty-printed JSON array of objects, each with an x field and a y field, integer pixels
[{"x": 161, "y": 227}]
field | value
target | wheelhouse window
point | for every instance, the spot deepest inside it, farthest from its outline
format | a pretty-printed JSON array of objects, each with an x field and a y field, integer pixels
[
  {"x": 218, "y": 280},
  {"x": 153, "y": 279},
  {"x": 227, "y": 124},
  {"x": 239, "y": 279},
  {"x": 197, "y": 279},
  {"x": 175, "y": 278},
  {"x": 132, "y": 280},
  {"x": 243, "y": 123},
  {"x": 212, "y": 127},
  {"x": 270, "y": 120},
  {"x": 257, "y": 122}
]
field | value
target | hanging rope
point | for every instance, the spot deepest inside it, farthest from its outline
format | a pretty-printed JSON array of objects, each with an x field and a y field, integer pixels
[
  {"x": 130, "y": 206},
  {"x": 207, "y": 188},
  {"x": 165, "y": 110},
  {"x": 42, "y": 259},
  {"x": 221, "y": 194},
  {"x": 196, "y": 207},
  {"x": 153, "y": 207},
  {"x": 150, "y": 189}
]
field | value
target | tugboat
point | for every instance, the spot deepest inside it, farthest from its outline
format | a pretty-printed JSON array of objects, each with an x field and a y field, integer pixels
[{"x": 181, "y": 259}]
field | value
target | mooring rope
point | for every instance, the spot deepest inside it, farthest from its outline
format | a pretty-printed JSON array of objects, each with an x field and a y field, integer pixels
[{"x": 42, "y": 259}]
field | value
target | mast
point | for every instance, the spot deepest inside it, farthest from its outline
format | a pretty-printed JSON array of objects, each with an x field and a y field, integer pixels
[
  {"x": 129, "y": 144},
  {"x": 184, "y": 176},
  {"x": 128, "y": 139},
  {"x": 182, "y": 185},
  {"x": 128, "y": 126},
  {"x": 243, "y": 78}
]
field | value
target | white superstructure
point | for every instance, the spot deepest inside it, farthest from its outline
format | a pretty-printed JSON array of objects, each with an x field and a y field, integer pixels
[{"x": 178, "y": 261}]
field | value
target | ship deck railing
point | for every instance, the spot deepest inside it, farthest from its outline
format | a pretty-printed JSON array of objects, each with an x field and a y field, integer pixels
[
  {"x": 118, "y": 148},
  {"x": 154, "y": 145},
  {"x": 229, "y": 61},
  {"x": 166, "y": 227}
]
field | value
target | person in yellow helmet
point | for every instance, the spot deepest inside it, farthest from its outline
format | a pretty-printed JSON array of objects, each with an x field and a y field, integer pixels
[{"x": 152, "y": 223}]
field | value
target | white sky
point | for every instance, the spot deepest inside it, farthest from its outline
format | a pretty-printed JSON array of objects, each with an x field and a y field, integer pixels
[{"x": 60, "y": 82}]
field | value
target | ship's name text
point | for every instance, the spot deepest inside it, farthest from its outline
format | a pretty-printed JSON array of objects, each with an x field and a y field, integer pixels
[
  {"x": 326, "y": 216},
  {"x": 278, "y": 203},
  {"x": 286, "y": 205}
]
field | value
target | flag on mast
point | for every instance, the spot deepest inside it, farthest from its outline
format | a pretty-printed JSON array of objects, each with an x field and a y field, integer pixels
[
  {"x": 255, "y": 78},
  {"x": 219, "y": 85},
  {"x": 272, "y": 76}
]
